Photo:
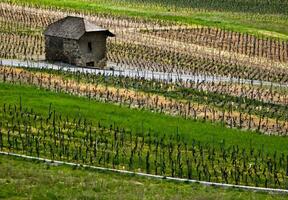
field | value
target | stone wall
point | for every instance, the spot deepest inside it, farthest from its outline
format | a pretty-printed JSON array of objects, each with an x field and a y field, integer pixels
[
  {"x": 71, "y": 52},
  {"x": 63, "y": 50},
  {"x": 53, "y": 48}
]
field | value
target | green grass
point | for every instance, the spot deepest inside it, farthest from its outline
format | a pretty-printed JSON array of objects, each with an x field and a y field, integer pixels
[
  {"x": 135, "y": 120},
  {"x": 268, "y": 19},
  {"x": 23, "y": 179}
]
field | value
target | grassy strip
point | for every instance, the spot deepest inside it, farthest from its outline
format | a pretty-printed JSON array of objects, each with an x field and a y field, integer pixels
[
  {"x": 137, "y": 120},
  {"x": 268, "y": 25},
  {"x": 21, "y": 179}
]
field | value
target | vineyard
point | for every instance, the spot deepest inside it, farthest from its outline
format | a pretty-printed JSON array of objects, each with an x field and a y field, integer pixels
[
  {"x": 193, "y": 102},
  {"x": 143, "y": 45},
  {"x": 216, "y": 113},
  {"x": 229, "y": 41},
  {"x": 77, "y": 140}
]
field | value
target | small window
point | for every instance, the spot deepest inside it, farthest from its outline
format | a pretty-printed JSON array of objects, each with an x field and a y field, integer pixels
[
  {"x": 90, "y": 64},
  {"x": 89, "y": 47}
]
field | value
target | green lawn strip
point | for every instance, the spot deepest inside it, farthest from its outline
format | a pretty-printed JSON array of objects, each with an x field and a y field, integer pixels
[
  {"x": 262, "y": 7},
  {"x": 135, "y": 120},
  {"x": 268, "y": 25},
  {"x": 26, "y": 179}
]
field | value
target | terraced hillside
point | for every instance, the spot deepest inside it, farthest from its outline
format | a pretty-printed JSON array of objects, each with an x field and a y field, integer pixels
[{"x": 193, "y": 91}]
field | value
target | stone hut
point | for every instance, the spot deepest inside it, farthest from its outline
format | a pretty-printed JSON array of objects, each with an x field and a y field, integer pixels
[{"x": 76, "y": 41}]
